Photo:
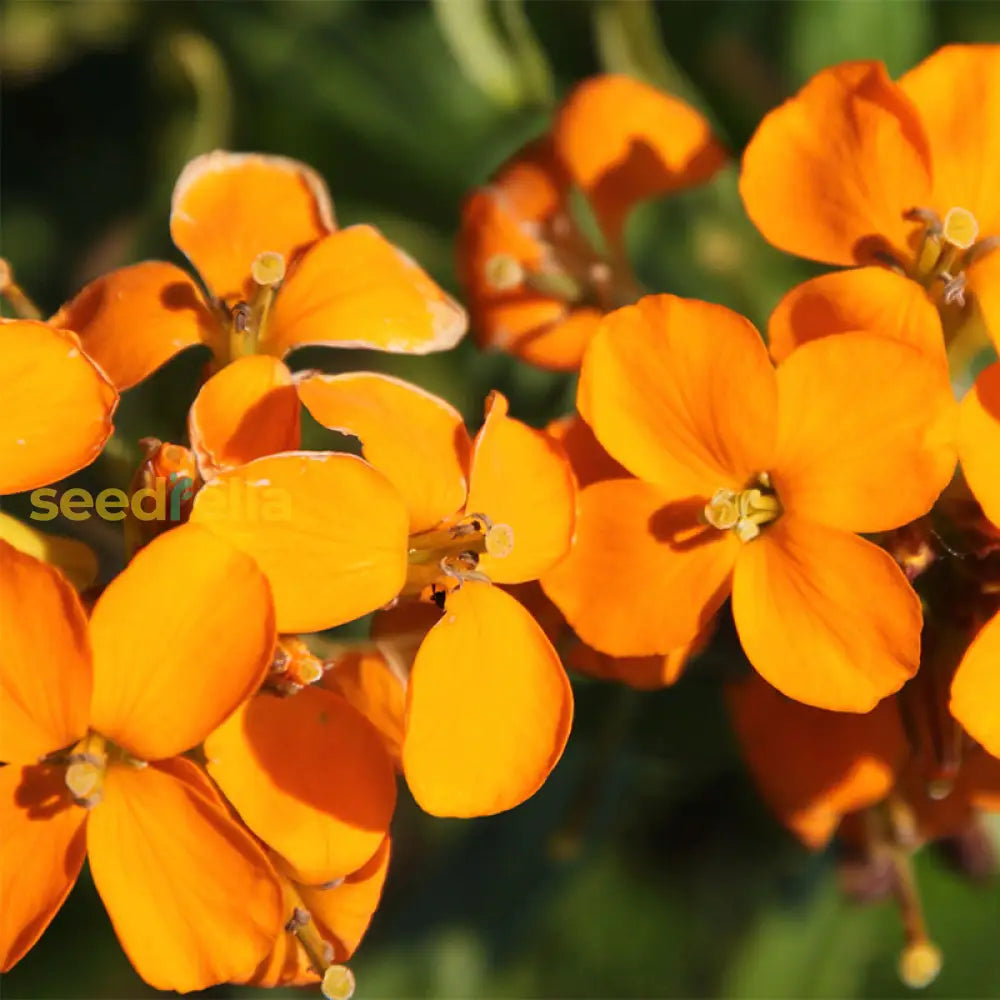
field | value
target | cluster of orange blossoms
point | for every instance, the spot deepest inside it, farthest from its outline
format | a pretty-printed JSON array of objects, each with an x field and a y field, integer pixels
[{"x": 232, "y": 787}]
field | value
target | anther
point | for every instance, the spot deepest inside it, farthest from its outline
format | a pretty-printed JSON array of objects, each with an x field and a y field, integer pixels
[
  {"x": 503, "y": 272},
  {"x": 338, "y": 983},
  {"x": 743, "y": 511},
  {"x": 85, "y": 773},
  {"x": 499, "y": 540},
  {"x": 268, "y": 269},
  {"x": 919, "y": 964},
  {"x": 960, "y": 228}
]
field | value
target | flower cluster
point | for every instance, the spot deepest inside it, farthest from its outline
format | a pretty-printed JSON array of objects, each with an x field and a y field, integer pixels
[{"x": 229, "y": 772}]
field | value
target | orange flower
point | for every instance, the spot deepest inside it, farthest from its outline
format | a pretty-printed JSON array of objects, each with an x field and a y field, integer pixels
[
  {"x": 753, "y": 481},
  {"x": 537, "y": 284},
  {"x": 275, "y": 276},
  {"x": 488, "y": 704},
  {"x": 858, "y": 170},
  {"x": 174, "y": 644},
  {"x": 57, "y": 405}
]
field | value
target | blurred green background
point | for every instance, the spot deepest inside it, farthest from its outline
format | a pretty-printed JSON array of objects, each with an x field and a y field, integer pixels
[{"x": 646, "y": 866}]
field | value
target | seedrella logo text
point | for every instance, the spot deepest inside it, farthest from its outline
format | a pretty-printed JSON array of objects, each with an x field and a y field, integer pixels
[{"x": 168, "y": 499}]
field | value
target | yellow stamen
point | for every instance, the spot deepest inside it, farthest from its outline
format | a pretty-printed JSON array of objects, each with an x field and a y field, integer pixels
[
  {"x": 919, "y": 964},
  {"x": 453, "y": 551},
  {"x": 268, "y": 268},
  {"x": 338, "y": 983},
  {"x": 248, "y": 320},
  {"x": 499, "y": 540},
  {"x": 960, "y": 228},
  {"x": 85, "y": 774},
  {"x": 743, "y": 511},
  {"x": 503, "y": 272}
]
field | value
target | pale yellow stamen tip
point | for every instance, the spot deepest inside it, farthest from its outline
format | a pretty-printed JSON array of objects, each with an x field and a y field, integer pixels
[
  {"x": 939, "y": 789},
  {"x": 83, "y": 779},
  {"x": 744, "y": 512},
  {"x": 919, "y": 964},
  {"x": 499, "y": 540},
  {"x": 960, "y": 228},
  {"x": 723, "y": 510},
  {"x": 268, "y": 269},
  {"x": 310, "y": 671},
  {"x": 338, "y": 983},
  {"x": 503, "y": 272}
]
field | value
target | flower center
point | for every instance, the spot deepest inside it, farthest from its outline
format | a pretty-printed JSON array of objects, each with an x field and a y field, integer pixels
[
  {"x": 446, "y": 555},
  {"x": 948, "y": 247},
  {"x": 570, "y": 268},
  {"x": 248, "y": 320},
  {"x": 87, "y": 764},
  {"x": 744, "y": 512}
]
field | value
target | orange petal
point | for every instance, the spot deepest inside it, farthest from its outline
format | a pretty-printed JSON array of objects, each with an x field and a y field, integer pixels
[
  {"x": 181, "y": 638},
  {"x": 415, "y": 439},
  {"x": 869, "y": 299},
  {"x": 329, "y": 531},
  {"x": 643, "y": 576},
  {"x": 830, "y": 173},
  {"x": 57, "y": 406},
  {"x": 979, "y": 440},
  {"x": 342, "y": 913},
  {"x": 229, "y": 207},
  {"x": 309, "y": 775},
  {"x": 369, "y": 684},
  {"x": 622, "y": 141},
  {"x": 589, "y": 461},
  {"x": 41, "y": 853},
  {"x": 521, "y": 478},
  {"x": 45, "y": 674},
  {"x": 248, "y": 409},
  {"x": 975, "y": 690},
  {"x": 854, "y": 449},
  {"x": 355, "y": 289},
  {"x": 811, "y": 766},
  {"x": 75, "y": 560},
  {"x": 682, "y": 393},
  {"x": 133, "y": 320},
  {"x": 191, "y": 896},
  {"x": 983, "y": 277},
  {"x": 489, "y": 707},
  {"x": 957, "y": 93},
  {"x": 826, "y": 617}
]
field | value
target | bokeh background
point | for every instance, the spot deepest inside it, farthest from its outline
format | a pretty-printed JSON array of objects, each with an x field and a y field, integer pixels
[{"x": 646, "y": 866}]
